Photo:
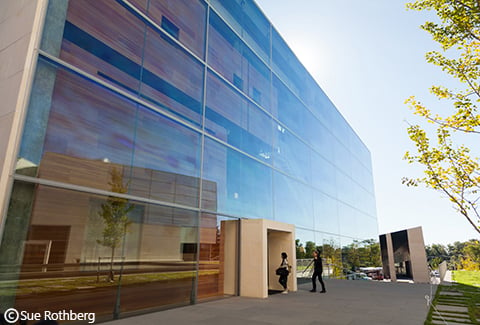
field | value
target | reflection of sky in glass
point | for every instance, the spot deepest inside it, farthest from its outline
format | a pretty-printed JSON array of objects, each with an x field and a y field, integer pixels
[
  {"x": 291, "y": 155},
  {"x": 293, "y": 202},
  {"x": 326, "y": 213},
  {"x": 276, "y": 114},
  {"x": 243, "y": 185}
]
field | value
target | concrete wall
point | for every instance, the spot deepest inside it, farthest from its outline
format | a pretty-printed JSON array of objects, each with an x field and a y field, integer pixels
[
  {"x": 230, "y": 248},
  {"x": 21, "y": 22},
  {"x": 391, "y": 260},
  {"x": 418, "y": 255},
  {"x": 261, "y": 243},
  {"x": 253, "y": 257},
  {"x": 407, "y": 246}
]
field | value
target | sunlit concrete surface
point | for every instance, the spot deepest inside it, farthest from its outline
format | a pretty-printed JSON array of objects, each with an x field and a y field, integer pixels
[{"x": 345, "y": 303}]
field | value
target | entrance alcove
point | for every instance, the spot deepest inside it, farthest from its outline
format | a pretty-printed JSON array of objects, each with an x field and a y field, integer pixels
[{"x": 261, "y": 244}]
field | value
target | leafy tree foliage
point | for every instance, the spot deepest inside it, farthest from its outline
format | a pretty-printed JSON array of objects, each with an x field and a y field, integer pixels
[
  {"x": 333, "y": 257},
  {"x": 300, "y": 250},
  {"x": 114, "y": 212},
  {"x": 358, "y": 254},
  {"x": 364, "y": 253},
  {"x": 471, "y": 257},
  {"x": 451, "y": 168},
  {"x": 459, "y": 255},
  {"x": 455, "y": 251},
  {"x": 436, "y": 254}
]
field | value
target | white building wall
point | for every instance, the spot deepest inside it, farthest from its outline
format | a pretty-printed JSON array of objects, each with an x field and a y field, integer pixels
[{"x": 21, "y": 22}]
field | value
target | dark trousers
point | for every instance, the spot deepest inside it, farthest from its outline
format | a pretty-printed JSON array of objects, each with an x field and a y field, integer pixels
[
  {"x": 314, "y": 280},
  {"x": 283, "y": 281}
]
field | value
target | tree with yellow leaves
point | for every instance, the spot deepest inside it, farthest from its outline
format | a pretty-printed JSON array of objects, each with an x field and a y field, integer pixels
[
  {"x": 451, "y": 168},
  {"x": 470, "y": 260}
]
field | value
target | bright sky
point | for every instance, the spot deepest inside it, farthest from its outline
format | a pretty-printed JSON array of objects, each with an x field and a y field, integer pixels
[{"x": 368, "y": 56}]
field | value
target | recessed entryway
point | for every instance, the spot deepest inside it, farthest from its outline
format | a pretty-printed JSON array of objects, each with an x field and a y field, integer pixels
[{"x": 261, "y": 243}]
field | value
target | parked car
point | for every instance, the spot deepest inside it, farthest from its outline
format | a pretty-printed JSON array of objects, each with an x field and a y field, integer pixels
[{"x": 358, "y": 276}]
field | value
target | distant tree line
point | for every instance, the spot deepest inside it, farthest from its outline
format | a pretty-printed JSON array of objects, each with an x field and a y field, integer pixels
[
  {"x": 459, "y": 255},
  {"x": 359, "y": 254},
  {"x": 351, "y": 257}
]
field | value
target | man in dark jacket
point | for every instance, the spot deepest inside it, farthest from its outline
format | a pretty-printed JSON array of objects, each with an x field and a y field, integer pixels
[{"x": 317, "y": 272}]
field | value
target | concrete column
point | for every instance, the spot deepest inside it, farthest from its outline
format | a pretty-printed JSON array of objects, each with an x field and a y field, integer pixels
[
  {"x": 229, "y": 231},
  {"x": 391, "y": 259},
  {"x": 253, "y": 259},
  {"x": 418, "y": 256}
]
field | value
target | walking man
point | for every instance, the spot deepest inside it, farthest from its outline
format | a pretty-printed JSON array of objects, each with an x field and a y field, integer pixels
[{"x": 317, "y": 272}]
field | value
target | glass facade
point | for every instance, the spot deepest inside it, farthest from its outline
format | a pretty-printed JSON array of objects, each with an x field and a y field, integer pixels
[{"x": 153, "y": 126}]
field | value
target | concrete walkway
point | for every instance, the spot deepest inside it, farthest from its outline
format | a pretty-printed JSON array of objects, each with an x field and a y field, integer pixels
[{"x": 345, "y": 303}]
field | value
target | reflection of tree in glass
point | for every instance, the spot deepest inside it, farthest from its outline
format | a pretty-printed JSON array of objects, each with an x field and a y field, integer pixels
[
  {"x": 114, "y": 213},
  {"x": 332, "y": 255},
  {"x": 364, "y": 253},
  {"x": 304, "y": 252},
  {"x": 300, "y": 250}
]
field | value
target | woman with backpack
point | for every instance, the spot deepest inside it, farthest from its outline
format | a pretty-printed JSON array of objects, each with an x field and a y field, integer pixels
[{"x": 283, "y": 271}]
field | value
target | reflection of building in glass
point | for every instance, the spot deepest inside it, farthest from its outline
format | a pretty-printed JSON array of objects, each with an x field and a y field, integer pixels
[
  {"x": 211, "y": 119},
  {"x": 403, "y": 255},
  {"x": 76, "y": 237}
]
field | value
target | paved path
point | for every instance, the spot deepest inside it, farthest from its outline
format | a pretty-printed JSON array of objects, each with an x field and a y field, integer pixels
[{"x": 345, "y": 303}]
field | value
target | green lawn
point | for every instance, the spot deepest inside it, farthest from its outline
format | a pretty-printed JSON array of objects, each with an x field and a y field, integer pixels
[
  {"x": 471, "y": 278},
  {"x": 26, "y": 287},
  {"x": 462, "y": 294}
]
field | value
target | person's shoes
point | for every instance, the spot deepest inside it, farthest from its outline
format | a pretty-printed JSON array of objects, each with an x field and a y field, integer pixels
[
  {"x": 285, "y": 291},
  {"x": 313, "y": 290},
  {"x": 323, "y": 291}
]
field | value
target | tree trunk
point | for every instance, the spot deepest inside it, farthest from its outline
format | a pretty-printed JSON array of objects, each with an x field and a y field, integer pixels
[{"x": 111, "y": 275}]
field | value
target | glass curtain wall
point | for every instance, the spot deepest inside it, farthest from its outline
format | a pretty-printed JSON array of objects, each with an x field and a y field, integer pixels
[{"x": 153, "y": 126}]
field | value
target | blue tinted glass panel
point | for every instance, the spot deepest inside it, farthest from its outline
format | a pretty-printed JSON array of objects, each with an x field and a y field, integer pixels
[
  {"x": 170, "y": 27},
  {"x": 323, "y": 142},
  {"x": 293, "y": 201},
  {"x": 360, "y": 173},
  {"x": 311, "y": 91},
  {"x": 293, "y": 113},
  {"x": 286, "y": 107},
  {"x": 345, "y": 187},
  {"x": 166, "y": 160},
  {"x": 183, "y": 19},
  {"x": 91, "y": 130},
  {"x": 367, "y": 227},
  {"x": 231, "y": 118},
  {"x": 323, "y": 175},
  {"x": 105, "y": 40},
  {"x": 286, "y": 65},
  {"x": 248, "y": 21},
  {"x": 140, "y": 5},
  {"x": 87, "y": 126},
  {"x": 237, "y": 185},
  {"x": 326, "y": 213},
  {"x": 343, "y": 158},
  {"x": 231, "y": 58},
  {"x": 324, "y": 110},
  {"x": 291, "y": 155},
  {"x": 348, "y": 220},
  {"x": 173, "y": 80}
]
